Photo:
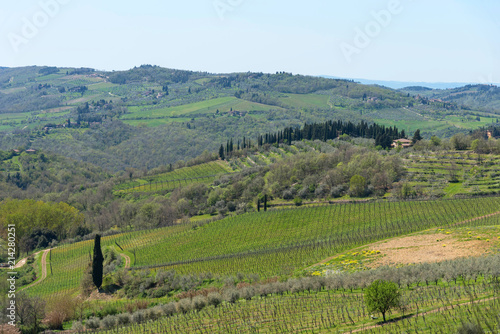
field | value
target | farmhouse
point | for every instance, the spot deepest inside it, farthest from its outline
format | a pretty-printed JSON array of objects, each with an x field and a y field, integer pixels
[
  {"x": 403, "y": 142},
  {"x": 490, "y": 135}
]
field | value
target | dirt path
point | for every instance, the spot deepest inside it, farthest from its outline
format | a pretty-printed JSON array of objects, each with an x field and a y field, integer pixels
[
  {"x": 125, "y": 256},
  {"x": 251, "y": 161},
  {"x": 474, "y": 219},
  {"x": 44, "y": 270},
  {"x": 127, "y": 260},
  {"x": 439, "y": 309},
  {"x": 22, "y": 262}
]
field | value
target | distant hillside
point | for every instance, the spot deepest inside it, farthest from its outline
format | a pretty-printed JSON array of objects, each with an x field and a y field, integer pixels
[
  {"x": 150, "y": 116},
  {"x": 403, "y": 84},
  {"x": 480, "y": 97},
  {"x": 416, "y": 89}
]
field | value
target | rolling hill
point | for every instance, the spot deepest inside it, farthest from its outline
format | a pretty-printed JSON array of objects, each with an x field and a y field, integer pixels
[{"x": 150, "y": 116}]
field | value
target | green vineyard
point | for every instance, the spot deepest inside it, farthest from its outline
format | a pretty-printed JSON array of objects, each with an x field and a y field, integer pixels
[
  {"x": 271, "y": 243},
  {"x": 204, "y": 173},
  {"x": 327, "y": 312}
]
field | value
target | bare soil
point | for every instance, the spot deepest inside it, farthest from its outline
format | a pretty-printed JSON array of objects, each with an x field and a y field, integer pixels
[{"x": 427, "y": 248}]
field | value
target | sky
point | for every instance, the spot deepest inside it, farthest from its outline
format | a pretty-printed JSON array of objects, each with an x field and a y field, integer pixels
[{"x": 400, "y": 40}]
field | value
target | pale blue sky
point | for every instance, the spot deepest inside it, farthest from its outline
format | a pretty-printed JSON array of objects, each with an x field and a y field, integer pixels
[{"x": 423, "y": 40}]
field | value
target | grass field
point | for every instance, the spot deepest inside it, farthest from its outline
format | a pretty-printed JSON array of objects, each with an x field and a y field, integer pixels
[
  {"x": 12, "y": 90},
  {"x": 156, "y": 116},
  {"x": 101, "y": 86}
]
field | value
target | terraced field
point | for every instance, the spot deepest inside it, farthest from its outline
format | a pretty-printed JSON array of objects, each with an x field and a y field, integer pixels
[{"x": 455, "y": 173}]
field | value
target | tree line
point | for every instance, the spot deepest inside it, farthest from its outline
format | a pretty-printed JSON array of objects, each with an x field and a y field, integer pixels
[{"x": 384, "y": 136}]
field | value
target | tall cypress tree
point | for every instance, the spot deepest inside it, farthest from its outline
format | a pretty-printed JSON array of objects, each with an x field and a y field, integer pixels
[
  {"x": 221, "y": 152},
  {"x": 97, "y": 262}
]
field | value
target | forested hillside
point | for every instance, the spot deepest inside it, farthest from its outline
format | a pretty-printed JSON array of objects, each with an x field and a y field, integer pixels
[{"x": 151, "y": 116}]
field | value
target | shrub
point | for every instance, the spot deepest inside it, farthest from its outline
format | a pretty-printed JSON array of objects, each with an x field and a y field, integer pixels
[
  {"x": 93, "y": 323},
  {"x": 168, "y": 309},
  {"x": 77, "y": 326},
  {"x": 470, "y": 328},
  {"x": 214, "y": 298},
  {"x": 264, "y": 290},
  {"x": 55, "y": 320},
  {"x": 123, "y": 318},
  {"x": 108, "y": 309},
  {"x": 296, "y": 287},
  {"x": 110, "y": 321},
  {"x": 199, "y": 302},
  {"x": 86, "y": 284},
  {"x": 153, "y": 313},
  {"x": 336, "y": 191},
  {"x": 184, "y": 305},
  {"x": 159, "y": 292},
  {"x": 138, "y": 316},
  {"x": 231, "y": 295},
  {"x": 248, "y": 292},
  {"x": 288, "y": 194},
  {"x": 304, "y": 192},
  {"x": 322, "y": 191}
]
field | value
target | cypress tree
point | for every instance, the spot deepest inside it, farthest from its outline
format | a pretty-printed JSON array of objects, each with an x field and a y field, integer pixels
[
  {"x": 221, "y": 152},
  {"x": 97, "y": 262},
  {"x": 416, "y": 136}
]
